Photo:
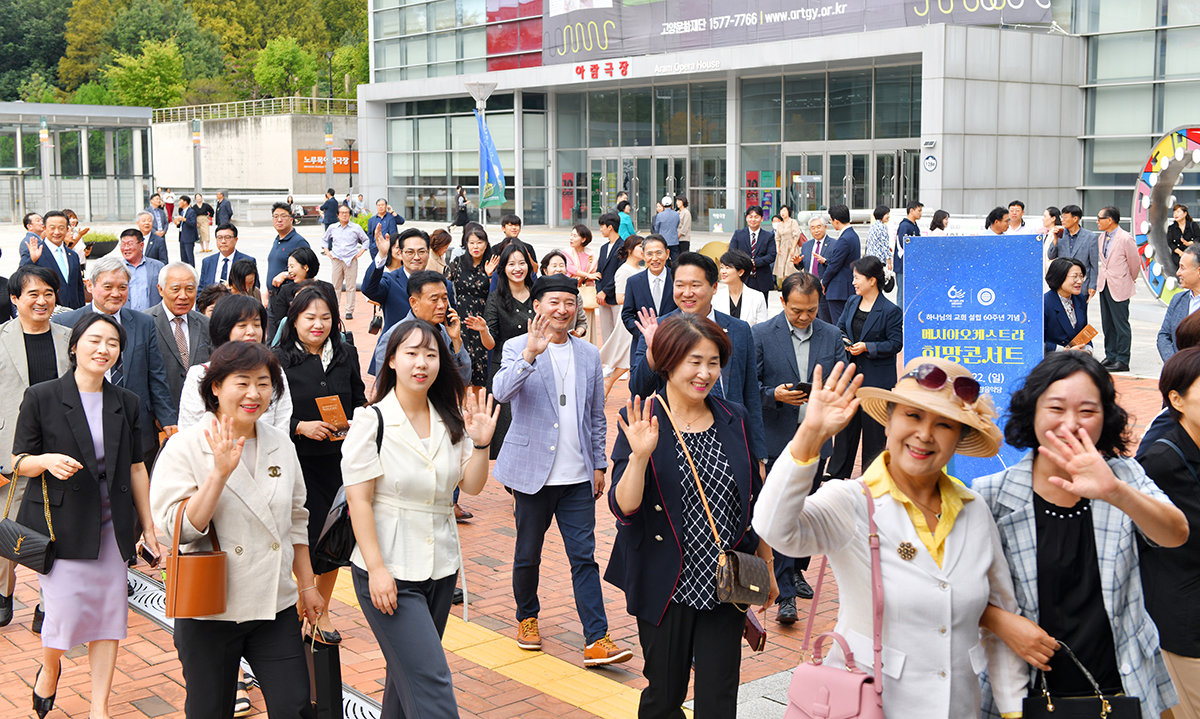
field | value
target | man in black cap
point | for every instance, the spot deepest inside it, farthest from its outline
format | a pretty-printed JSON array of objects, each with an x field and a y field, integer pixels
[{"x": 553, "y": 460}]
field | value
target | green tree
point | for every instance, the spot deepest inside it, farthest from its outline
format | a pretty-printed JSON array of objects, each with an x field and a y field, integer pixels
[
  {"x": 87, "y": 49},
  {"x": 152, "y": 79},
  {"x": 93, "y": 93},
  {"x": 206, "y": 90},
  {"x": 350, "y": 61},
  {"x": 345, "y": 21},
  {"x": 167, "y": 20},
  {"x": 36, "y": 88},
  {"x": 284, "y": 68},
  {"x": 31, "y": 40}
]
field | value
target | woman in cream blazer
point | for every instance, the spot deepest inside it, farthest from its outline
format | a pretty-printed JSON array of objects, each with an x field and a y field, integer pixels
[
  {"x": 401, "y": 462},
  {"x": 241, "y": 476},
  {"x": 937, "y": 582}
]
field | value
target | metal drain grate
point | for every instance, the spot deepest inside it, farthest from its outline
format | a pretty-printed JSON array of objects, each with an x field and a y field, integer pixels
[{"x": 150, "y": 600}]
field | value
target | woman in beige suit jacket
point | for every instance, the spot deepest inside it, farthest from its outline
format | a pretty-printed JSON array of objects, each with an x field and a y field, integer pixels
[{"x": 241, "y": 477}]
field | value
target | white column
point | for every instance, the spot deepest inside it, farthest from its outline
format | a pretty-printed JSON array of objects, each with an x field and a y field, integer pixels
[
  {"x": 85, "y": 169},
  {"x": 553, "y": 182},
  {"x": 139, "y": 190},
  {"x": 733, "y": 158},
  {"x": 110, "y": 175}
]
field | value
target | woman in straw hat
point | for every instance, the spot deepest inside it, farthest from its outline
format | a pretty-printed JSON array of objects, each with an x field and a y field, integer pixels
[
  {"x": 1071, "y": 515},
  {"x": 942, "y": 563}
]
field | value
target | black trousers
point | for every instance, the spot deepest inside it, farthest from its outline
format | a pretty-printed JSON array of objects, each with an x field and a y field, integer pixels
[
  {"x": 711, "y": 639},
  {"x": 210, "y": 651},
  {"x": 786, "y": 567},
  {"x": 1114, "y": 320}
]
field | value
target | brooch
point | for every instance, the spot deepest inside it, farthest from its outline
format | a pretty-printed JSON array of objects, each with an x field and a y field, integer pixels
[
  {"x": 273, "y": 471},
  {"x": 906, "y": 551}
]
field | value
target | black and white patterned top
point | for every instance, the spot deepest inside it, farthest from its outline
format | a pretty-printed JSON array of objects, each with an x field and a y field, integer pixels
[{"x": 697, "y": 587}]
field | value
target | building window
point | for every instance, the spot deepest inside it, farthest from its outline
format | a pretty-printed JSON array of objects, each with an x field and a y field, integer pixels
[
  {"x": 671, "y": 115},
  {"x": 636, "y": 110},
  {"x": 898, "y": 102},
  {"x": 707, "y": 124},
  {"x": 603, "y": 111},
  {"x": 762, "y": 102},
  {"x": 804, "y": 108},
  {"x": 850, "y": 105}
]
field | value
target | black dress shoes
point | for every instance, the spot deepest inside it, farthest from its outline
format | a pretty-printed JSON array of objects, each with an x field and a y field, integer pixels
[
  {"x": 43, "y": 705},
  {"x": 803, "y": 590},
  {"x": 786, "y": 614},
  {"x": 457, "y": 597},
  {"x": 38, "y": 617},
  {"x": 6, "y": 610},
  {"x": 1118, "y": 367}
]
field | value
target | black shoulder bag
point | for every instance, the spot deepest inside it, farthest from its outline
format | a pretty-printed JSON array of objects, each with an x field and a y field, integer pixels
[
  {"x": 336, "y": 543},
  {"x": 23, "y": 545}
]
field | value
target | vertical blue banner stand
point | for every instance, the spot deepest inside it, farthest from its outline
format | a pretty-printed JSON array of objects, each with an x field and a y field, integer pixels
[{"x": 977, "y": 301}]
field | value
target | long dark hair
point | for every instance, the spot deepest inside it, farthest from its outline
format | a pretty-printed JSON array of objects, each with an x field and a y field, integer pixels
[
  {"x": 502, "y": 288},
  {"x": 446, "y": 392},
  {"x": 291, "y": 350},
  {"x": 473, "y": 229},
  {"x": 238, "y": 272}
]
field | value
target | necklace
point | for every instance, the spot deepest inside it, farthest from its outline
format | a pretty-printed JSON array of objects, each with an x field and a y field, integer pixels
[
  {"x": 937, "y": 515},
  {"x": 562, "y": 385},
  {"x": 687, "y": 424}
]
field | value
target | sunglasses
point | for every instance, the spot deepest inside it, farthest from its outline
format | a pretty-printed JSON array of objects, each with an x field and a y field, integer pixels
[{"x": 934, "y": 378}]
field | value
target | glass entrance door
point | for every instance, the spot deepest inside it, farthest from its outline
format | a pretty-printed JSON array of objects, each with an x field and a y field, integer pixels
[
  {"x": 603, "y": 184},
  {"x": 638, "y": 182},
  {"x": 804, "y": 179},
  {"x": 848, "y": 180},
  {"x": 670, "y": 177}
]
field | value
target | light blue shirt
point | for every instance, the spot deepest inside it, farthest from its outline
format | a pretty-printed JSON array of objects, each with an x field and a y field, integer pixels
[{"x": 143, "y": 284}]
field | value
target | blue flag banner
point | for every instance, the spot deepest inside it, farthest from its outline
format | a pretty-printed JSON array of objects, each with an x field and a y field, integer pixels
[
  {"x": 491, "y": 177},
  {"x": 977, "y": 301}
]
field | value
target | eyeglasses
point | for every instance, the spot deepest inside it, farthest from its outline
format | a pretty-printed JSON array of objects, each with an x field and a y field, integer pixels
[
  {"x": 934, "y": 378},
  {"x": 411, "y": 253}
]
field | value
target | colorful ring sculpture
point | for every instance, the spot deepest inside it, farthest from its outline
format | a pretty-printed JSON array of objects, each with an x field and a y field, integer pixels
[{"x": 1153, "y": 198}]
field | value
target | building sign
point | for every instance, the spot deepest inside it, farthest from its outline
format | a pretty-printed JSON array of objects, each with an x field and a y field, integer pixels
[
  {"x": 313, "y": 161},
  {"x": 586, "y": 30},
  {"x": 966, "y": 302},
  {"x": 586, "y": 72}
]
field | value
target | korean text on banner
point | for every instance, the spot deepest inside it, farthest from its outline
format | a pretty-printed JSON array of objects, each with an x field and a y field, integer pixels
[
  {"x": 978, "y": 303},
  {"x": 491, "y": 177}
]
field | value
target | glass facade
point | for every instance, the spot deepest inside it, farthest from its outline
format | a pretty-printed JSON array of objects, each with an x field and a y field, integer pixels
[
  {"x": 416, "y": 39},
  {"x": 1141, "y": 83},
  {"x": 433, "y": 146}
]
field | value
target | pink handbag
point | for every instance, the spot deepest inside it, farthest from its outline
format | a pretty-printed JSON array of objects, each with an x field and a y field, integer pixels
[{"x": 822, "y": 692}]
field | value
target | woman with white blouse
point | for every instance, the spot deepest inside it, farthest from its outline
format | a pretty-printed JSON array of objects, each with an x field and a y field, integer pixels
[
  {"x": 401, "y": 461},
  {"x": 733, "y": 297}
]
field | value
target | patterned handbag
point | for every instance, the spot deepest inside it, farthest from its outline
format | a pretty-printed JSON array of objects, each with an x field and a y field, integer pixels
[
  {"x": 742, "y": 578},
  {"x": 27, "y": 547},
  {"x": 818, "y": 691}
]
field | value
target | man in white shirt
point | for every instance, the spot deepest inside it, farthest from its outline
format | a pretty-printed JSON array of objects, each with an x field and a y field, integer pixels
[
  {"x": 343, "y": 244},
  {"x": 553, "y": 461},
  {"x": 1016, "y": 219}
]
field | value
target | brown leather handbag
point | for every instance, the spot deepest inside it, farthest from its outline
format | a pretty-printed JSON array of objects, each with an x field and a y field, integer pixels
[
  {"x": 195, "y": 580},
  {"x": 742, "y": 578}
]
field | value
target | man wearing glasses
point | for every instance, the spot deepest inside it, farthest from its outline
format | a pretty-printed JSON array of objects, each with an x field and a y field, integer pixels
[
  {"x": 286, "y": 241},
  {"x": 390, "y": 289}
]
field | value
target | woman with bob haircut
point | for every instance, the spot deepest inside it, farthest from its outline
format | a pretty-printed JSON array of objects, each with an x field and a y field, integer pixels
[
  {"x": 80, "y": 433},
  {"x": 940, "y": 554},
  {"x": 235, "y": 318},
  {"x": 302, "y": 268},
  {"x": 319, "y": 364},
  {"x": 733, "y": 297},
  {"x": 242, "y": 480},
  {"x": 243, "y": 279},
  {"x": 400, "y": 487},
  {"x": 1069, "y": 515},
  {"x": 665, "y": 555},
  {"x": 1171, "y": 577},
  {"x": 1065, "y": 311}
]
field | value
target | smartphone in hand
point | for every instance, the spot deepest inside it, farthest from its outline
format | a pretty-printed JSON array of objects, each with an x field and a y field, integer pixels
[
  {"x": 805, "y": 387},
  {"x": 151, "y": 558}
]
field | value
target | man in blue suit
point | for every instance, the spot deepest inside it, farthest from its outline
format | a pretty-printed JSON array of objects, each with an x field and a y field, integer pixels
[
  {"x": 812, "y": 260},
  {"x": 215, "y": 268},
  {"x": 553, "y": 460},
  {"x": 390, "y": 289},
  {"x": 695, "y": 285},
  {"x": 759, "y": 244},
  {"x": 384, "y": 221},
  {"x": 790, "y": 346},
  {"x": 838, "y": 279},
  {"x": 54, "y": 254},
  {"x": 156, "y": 246},
  {"x": 140, "y": 368},
  {"x": 186, "y": 219},
  {"x": 650, "y": 289},
  {"x": 224, "y": 209},
  {"x": 1185, "y": 302}
]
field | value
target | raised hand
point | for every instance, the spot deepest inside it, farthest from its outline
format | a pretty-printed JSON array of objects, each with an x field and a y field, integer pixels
[
  {"x": 480, "y": 413},
  {"x": 475, "y": 322},
  {"x": 641, "y": 429},
  {"x": 647, "y": 324},
  {"x": 831, "y": 406},
  {"x": 491, "y": 265},
  {"x": 35, "y": 249},
  {"x": 1090, "y": 475},
  {"x": 538, "y": 339},
  {"x": 226, "y": 447}
]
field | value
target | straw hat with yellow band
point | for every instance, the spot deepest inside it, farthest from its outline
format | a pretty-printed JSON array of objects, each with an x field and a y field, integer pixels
[{"x": 945, "y": 388}]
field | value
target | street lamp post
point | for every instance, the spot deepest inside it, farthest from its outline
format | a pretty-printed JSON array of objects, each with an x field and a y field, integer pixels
[
  {"x": 481, "y": 91},
  {"x": 350, "y": 160},
  {"x": 329, "y": 59}
]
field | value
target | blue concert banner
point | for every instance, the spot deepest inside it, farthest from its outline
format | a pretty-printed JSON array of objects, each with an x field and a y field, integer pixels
[{"x": 977, "y": 301}]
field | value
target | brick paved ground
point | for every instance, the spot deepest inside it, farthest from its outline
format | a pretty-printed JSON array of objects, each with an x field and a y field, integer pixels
[{"x": 492, "y": 678}]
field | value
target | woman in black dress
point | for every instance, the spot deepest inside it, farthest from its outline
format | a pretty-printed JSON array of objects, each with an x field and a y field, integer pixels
[
  {"x": 507, "y": 314},
  {"x": 471, "y": 274},
  {"x": 460, "y": 215},
  {"x": 1182, "y": 232},
  {"x": 318, "y": 364},
  {"x": 302, "y": 268}
]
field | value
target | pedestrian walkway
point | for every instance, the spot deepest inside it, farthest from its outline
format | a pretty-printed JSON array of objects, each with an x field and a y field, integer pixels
[{"x": 492, "y": 677}]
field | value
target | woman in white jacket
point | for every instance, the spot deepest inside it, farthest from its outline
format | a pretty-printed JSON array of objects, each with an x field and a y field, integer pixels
[{"x": 941, "y": 558}]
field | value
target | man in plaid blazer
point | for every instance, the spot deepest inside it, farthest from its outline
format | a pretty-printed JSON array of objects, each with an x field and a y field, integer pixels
[{"x": 553, "y": 460}]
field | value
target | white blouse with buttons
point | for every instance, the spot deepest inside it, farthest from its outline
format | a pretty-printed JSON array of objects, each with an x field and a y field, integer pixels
[{"x": 414, "y": 488}]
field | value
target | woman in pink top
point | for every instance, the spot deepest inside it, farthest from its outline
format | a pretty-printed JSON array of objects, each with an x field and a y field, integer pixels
[{"x": 581, "y": 265}]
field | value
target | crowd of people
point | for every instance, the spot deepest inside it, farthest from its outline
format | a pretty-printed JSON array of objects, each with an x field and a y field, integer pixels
[{"x": 148, "y": 402}]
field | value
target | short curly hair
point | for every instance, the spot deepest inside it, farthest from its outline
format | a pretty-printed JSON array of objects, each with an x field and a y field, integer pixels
[{"x": 1019, "y": 426}]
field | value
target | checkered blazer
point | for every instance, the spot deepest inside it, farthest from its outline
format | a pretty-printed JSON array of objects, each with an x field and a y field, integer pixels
[
  {"x": 1009, "y": 494},
  {"x": 527, "y": 454}
]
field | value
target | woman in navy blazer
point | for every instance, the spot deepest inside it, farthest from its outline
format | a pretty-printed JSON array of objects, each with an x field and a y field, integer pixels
[
  {"x": 1065, "y": 278},
  {"x": 665, "y": 556},
  {"x": 873, "y": 330}
]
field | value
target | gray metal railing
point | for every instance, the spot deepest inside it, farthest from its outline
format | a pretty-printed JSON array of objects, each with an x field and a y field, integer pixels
[{"x": 250, "y": 108}]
